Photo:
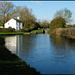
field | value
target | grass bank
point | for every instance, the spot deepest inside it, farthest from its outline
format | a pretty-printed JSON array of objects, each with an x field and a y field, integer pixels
[
  {"x": 11, "y": 33},
  {"x": 11, "y": 64},
  {"x": 39, "y": 31},
  {"x": 18, "y": 33}
]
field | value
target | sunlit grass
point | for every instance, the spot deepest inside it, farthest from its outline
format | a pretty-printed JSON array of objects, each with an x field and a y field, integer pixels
[
  {"x": 37, "y": 31},
  {"x": 12, "y": 32}
]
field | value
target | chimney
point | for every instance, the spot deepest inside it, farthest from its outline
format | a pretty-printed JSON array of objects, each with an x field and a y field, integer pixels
[{"x": 18, "y": 18}]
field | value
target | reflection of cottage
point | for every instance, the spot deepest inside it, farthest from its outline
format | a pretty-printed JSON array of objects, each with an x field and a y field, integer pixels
[
  {"x": 14, "y": 43},
  {"x": 14, "y": 23}
]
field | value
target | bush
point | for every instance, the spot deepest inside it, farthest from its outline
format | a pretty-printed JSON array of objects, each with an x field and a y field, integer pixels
[
  {"x": 22, "y": 30},
  {"x": 27, "y": 30},
  {"x": 57, "y": 22},
  {"x": 73, "y": 26},
  {"x": 32, "y": 26},
  {"x": 68, "y": 26},
  {"x": 48, "y": 31},
  {"x": 7, "y": 30}
]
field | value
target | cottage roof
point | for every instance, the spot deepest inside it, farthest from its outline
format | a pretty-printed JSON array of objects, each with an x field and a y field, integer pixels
[{"x": 18, "y": 20}]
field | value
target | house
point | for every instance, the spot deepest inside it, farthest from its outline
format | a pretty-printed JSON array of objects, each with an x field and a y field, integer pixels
[{"x": 14, "y": 23}]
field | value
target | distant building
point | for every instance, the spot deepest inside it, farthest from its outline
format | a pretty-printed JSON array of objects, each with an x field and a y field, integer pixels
[
  {"x": 1, "y": 26},
  {"x": 14, "y": 23}
]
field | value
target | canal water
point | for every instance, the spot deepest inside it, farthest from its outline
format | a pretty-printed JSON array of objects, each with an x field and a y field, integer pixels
[{"x": 47, "y": 54}]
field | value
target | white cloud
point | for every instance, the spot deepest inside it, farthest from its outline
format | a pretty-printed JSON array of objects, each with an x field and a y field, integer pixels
[
  {"x": 44, "y": 18},
  {"x": 37, "y": 3}
]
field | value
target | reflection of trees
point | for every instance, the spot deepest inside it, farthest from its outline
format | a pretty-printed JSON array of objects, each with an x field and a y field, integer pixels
[
  {"x": 21, "y": 44},
  {"x": 25, "y": 44},
  {"x": 61, "y": 42},
  {"x": 57, "y": 41},
  {"x": 62, "y": 47}
]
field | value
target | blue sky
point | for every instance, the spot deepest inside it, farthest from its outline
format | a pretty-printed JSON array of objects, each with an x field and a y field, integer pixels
[{"x": 46, "y": 9}]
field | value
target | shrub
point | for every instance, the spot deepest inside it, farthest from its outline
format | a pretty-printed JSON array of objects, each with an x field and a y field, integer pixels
[
  {"x": 22, "y": 30},
  {"x": 57, "y": 22},
  {"x": 37, "y": 25},
  {"x": 68, "y": 26},
  {"x": 27, "y": 29},
  {"x": 48, "y": 31},
  {"x": 32, "y": 26},
  {"x": 73, "y": 26},
  {"x": 7, "y": 30}
]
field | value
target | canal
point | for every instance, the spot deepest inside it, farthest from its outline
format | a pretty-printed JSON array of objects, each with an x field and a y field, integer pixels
[{"x": 47, "y": 54}]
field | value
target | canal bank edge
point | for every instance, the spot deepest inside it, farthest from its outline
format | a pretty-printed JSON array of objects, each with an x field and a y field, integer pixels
[
  {"x": 68, "y": 33},
  {"x": 10, "y": 63},
  {"x": 39, "y": 31}
]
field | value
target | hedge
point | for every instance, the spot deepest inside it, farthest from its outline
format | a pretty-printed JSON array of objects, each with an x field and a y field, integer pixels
[
  {"x": 68, "y": 26},
  {"x": 7, "y": 30}
]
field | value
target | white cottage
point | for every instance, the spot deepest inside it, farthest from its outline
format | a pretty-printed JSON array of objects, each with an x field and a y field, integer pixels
[{"x": 14, "y": 23}]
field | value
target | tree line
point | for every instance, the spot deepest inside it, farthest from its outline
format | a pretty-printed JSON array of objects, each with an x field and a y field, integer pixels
[
  {"x": 8, "y": 10},
  {"x": 61, "y": 18}
]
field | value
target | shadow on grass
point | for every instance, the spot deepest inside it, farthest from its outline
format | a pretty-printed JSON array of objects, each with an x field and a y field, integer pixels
[{"x": 11, "y": 64}]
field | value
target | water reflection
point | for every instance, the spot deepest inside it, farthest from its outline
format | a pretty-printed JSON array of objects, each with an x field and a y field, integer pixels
[
  {"x": 11, "y": 43},
  {"x": 20, "y": 44},
  {"x": 60, "y": 41},
  {"x": 48, "y": 54},
  {"x": 63, "y": 48},
  {"x": 64, "y": 54}
]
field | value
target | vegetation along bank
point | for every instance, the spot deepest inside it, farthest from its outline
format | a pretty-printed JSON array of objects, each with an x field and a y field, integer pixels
[
  {"x": 59, "y": 25},
  {"x": 66, "y": 32},
  {"x": 11, "y": 64}
]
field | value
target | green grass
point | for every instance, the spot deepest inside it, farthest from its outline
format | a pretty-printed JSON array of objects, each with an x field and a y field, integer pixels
[
  {"x": 37, "y": 31},
  {"x": 48, "y": 31},
  {"x": 12, "y": 32}
]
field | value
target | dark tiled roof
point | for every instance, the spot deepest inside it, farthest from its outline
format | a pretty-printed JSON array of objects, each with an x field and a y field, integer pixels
[{"x": 18, "y": 20}]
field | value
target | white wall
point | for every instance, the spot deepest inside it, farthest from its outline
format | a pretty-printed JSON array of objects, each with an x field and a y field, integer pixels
[{"x": 10, "y": 23}]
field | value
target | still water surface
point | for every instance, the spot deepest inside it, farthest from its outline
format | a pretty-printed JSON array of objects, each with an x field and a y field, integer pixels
[{"x": 47, "y": 54}]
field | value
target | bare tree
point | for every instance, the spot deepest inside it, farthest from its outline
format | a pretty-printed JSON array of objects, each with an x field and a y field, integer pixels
[
  {"x": 26, "y": 16},
  {"x": 65, "y": 13},
  {"x": 7, "y": 11}
]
